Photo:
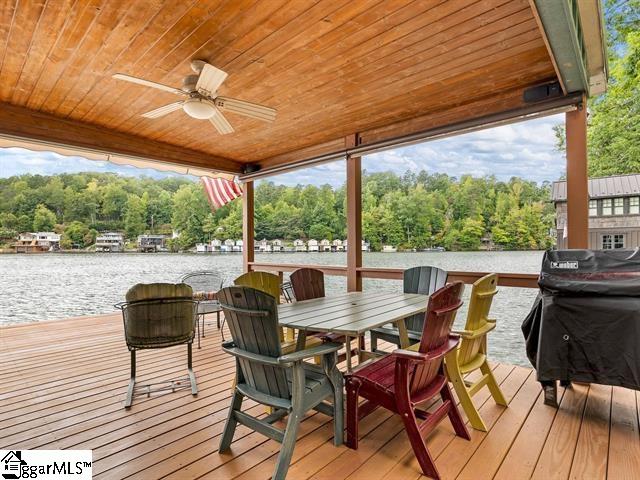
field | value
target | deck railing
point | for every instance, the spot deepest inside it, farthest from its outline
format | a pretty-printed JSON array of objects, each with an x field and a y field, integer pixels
[{"x": 522, "y": 280}]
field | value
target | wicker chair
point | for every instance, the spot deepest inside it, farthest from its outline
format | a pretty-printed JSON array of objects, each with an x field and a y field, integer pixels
[
  {"x": 205, "y": 285},
  {"x": 159, "y": 315}
]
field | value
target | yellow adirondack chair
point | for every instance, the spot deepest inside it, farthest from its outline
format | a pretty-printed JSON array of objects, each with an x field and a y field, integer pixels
[{"x": 471, "y": 355}]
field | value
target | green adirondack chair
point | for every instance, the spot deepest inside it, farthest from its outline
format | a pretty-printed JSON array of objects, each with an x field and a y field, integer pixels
[
  {"x": 286, "y": 382},
  {"x": 471, "y": 355}
]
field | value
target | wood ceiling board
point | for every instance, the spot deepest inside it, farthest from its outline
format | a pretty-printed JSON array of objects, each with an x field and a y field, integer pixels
[
  {"x": 429, "y": 70},
  {"x": 20, "y": 122},
  {"x": 330, "y": 67}
]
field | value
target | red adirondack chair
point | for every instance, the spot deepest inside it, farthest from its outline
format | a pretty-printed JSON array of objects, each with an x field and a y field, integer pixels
[{"x": 405, "y": 379}]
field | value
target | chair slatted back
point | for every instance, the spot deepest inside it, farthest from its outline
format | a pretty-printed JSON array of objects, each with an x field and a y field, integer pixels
[
  {"x": 425, "y": 281},
  {"x": 252, "y": 316},
  {"x": 205, "y": 281},
  {"x": 264, "y": 281},
  {"x": 482, "y": 294},
  {"x": 307, "y": 283},
  {"x": 158, "y": 315},
  {"x": 441, "y": 313}
]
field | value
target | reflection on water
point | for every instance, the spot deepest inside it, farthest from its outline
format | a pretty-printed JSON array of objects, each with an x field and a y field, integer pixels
[{"x": 54, "y": 286}]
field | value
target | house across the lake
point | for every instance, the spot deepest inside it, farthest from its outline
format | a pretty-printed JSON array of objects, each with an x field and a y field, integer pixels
[
  {"x": 614, "y": 212},
  {"x": 152, "y": 243},
  {"x": 37, "y": 242},
  {"x": 110, "y": 242}
]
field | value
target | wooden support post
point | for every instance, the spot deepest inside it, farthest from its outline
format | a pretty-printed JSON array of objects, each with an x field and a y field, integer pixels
[
  {"x": 577, "y": 182},
  {"x": 354, "y": 224},
  {"x": 247, "y": 225}
]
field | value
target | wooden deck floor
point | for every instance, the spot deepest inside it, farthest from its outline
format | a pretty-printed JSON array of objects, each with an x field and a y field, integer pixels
[{"x": 63, "y": 385}]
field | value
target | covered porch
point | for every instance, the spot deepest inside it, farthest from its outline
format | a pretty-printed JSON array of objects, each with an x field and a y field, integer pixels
[
  {"x": 67, "y": 393},
  {"x": 347, "y": 79}
]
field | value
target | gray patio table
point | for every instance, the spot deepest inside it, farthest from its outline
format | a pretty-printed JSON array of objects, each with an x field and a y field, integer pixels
[{"x": 351, "y": 315}]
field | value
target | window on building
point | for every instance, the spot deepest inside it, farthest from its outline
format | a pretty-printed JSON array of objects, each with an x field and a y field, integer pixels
[
  {"x": 607, "y": 206},
  {"x": 618, "y": 206},
  {"x": 610, "y": 242},
  {"x": 593, "y": 208},
  {"x": 634, "y": 205}
]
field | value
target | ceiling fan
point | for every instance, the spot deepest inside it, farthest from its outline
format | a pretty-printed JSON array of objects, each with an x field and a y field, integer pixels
[{"x": 203, "y": 102}]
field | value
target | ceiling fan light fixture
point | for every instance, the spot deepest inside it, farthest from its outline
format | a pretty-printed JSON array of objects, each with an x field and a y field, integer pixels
[{"x": 199, "y": 108}]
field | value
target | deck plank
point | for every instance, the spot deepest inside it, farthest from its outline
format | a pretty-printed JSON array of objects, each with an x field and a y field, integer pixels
[
  {"x": 624, "y": 444},
  {"x": 65, "y": 383},
  {"x": 557, "y": 455}
]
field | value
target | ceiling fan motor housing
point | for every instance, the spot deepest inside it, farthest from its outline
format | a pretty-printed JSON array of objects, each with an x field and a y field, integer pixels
[{"x": 189, "y": 83}]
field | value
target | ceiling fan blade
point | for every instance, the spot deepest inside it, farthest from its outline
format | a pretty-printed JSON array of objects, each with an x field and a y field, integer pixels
[
  {"x": 220, "y": 122},
  {"x": 247, "y": 109},
  {"x": 164, "y": 110},
  {"x": 148, "y": 83},
  {"x": 210, "y": 80}
]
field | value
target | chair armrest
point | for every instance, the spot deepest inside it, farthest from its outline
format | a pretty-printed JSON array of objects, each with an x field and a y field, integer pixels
[
  {"x": 473, "y": 334},
  {"x": 231, "y": 349},
  {"x": 322, "y": 349},
  {"x": 443, "y": 349}
]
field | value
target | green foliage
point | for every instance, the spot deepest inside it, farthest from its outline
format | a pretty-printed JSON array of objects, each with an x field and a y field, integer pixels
[
  {"x": 411, "y": 211},
  {"x": 75, "y": 236},
  {"x": 135, "y": 217},
  {"x": 614, "y": 125},
  {"x": 43, "y": 219}
]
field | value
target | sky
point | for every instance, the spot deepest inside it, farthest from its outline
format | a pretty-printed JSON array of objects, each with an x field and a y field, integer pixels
[{"x": 525, "y": 149}]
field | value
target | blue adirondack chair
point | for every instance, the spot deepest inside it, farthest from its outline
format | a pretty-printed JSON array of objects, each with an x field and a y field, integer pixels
[{"x": 285, "y": 382}]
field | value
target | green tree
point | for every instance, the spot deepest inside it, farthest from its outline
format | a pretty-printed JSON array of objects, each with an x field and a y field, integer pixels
[
  {"x": 135, "y": 217},
  {"x": 614, "y": 125},
  {"x": 75, "y": 235},
  {"x": 43, "y": 219}
]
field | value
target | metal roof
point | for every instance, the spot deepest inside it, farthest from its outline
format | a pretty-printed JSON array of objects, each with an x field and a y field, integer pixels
[{"x": 602, "y": 187}]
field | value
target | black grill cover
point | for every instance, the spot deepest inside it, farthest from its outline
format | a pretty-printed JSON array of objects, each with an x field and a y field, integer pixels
[{"x": 585, "y": 323}]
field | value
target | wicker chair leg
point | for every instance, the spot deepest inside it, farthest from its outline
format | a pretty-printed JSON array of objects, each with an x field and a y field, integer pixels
[
  {"x": 203, "y": 325},
  {"x": 192, "y": 375},
  {"x": 132, "y": 381},
  {"x": 218, "y": 319},
  {"x": 198, "y": 328}
]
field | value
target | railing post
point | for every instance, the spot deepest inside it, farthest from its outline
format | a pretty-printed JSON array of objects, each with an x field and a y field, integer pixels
[
  {"x": 577, "y": 181},
  {"x": 354, "y": 224},
  {"x": 247, "y": 225}
]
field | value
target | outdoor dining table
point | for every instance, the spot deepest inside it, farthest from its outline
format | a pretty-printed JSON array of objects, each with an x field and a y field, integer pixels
[{"x": 352, "y": 315}]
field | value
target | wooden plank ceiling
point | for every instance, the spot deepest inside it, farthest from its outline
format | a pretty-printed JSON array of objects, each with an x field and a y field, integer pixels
[{"x": 330, "y": 67}]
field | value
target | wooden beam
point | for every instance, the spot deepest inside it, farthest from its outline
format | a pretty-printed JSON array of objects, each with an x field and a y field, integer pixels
[
  {"x": 30, "y": 125},
  {"x": 577, "y": 181},
  {"x": 248, "y": 232},
  {"x": 354, "y": 222}
]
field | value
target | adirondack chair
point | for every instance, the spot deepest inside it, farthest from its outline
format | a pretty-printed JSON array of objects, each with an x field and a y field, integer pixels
[
  {"x": 404, "y": 379},
  {"x": 159, "y": 315},
  {"x": 284, "y": 382},
  {"x": 471, "y": 355},
  {"x": 268, "y": 283},
  {"x": 423, "y": 280}
]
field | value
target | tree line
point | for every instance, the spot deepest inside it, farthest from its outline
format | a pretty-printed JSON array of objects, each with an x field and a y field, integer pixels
[{"x": 414, "y": 210}]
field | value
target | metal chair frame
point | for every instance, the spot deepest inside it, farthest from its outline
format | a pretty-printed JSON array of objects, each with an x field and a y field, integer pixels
[
  {"x": 214, "y": 304},
  {"x": 133, "y": 390}
]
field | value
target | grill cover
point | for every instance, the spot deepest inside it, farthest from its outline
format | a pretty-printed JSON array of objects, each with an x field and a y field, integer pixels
[{"x": 585, "y": 323}]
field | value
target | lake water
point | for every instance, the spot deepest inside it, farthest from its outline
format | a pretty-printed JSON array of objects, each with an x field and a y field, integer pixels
[{"x": 55, "y": 286}]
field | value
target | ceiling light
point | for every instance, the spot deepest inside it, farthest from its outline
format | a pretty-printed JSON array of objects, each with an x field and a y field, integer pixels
[{"x": 199, "y": 108}]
